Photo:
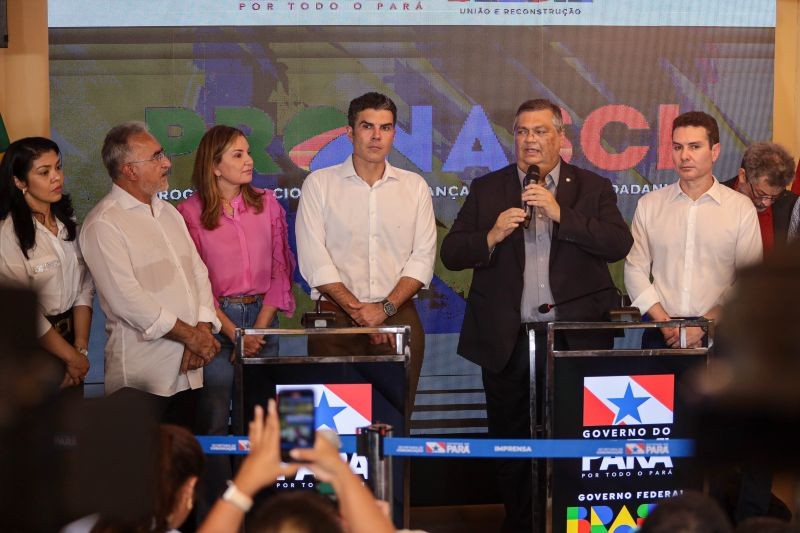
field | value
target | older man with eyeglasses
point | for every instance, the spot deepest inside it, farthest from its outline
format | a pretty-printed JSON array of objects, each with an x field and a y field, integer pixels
[
  {"x": 152, "y": 284},
  {"x": 767, "y": 169}
]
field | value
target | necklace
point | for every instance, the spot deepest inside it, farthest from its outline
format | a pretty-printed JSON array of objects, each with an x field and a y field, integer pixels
[
  {"x": 49, "y": 221},
  {"x": 227, "y": 208}
]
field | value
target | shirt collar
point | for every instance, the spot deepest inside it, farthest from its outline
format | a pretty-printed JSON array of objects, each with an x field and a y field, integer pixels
[
  {"x": 127, "y": 201},
  {"x": 349, "y": 171},
  {"x": 238, "y": 203},
  {"x": 554, "y": 174},
  {"x": 60, "y": 227},
  {"x": 714, "y": 192}
]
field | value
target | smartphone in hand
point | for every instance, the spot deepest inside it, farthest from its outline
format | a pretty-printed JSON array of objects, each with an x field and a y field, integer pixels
[{"x": 297, "y": 419}]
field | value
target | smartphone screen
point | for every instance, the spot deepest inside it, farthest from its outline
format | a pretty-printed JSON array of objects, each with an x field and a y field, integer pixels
[{"x": 296, "y": 413}]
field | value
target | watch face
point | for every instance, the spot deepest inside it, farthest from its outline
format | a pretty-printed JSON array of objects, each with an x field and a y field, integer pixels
[{"x": 389, "y": 309}]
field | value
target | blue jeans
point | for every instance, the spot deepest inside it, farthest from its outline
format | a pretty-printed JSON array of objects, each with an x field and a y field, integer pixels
[{"x": 214, "y": 405}]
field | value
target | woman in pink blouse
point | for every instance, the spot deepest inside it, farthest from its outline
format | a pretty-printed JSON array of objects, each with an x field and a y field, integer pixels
[{"x": 241, "y": 234}]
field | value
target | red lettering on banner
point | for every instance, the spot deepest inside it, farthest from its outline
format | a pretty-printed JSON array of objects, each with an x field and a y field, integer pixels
[
  {"x": 566, "y": 145},
  {"x": 593, "y": 128},
  {"x": 667, "y": 113}
]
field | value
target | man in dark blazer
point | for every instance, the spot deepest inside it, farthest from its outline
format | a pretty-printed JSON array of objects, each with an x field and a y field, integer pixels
[{"x": 561, "y": 258}]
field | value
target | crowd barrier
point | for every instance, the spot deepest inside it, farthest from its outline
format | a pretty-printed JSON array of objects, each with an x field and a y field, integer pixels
[{"x": 489, "y": 448}]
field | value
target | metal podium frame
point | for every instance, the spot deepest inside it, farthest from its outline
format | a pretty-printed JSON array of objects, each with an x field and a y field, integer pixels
[
  {"x": 403, "y": 350},
  {"x": 403, "y": 354},
  {"x": 545, "y": 426}
]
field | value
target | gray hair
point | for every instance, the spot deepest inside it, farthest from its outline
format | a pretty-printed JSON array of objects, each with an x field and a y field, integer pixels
[
  {"x": 541, "y": 104},
  {"x": 115, "y": 146},
  {"x": 770, "y": 160}
]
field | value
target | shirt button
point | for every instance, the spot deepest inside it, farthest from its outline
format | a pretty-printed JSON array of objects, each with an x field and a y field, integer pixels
[{"x": 541, "y": 285}]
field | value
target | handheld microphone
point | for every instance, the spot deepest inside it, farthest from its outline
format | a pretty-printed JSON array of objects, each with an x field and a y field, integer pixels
[{"x": 532, "y": 176}]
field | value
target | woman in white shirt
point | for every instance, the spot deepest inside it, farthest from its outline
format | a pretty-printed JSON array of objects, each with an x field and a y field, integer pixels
[{"x": 39, "y": 249}]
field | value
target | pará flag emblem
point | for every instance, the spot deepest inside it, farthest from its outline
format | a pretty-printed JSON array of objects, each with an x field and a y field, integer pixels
[
  {"x": 628, "y": 400},
  {"x": 342, "y": 407}
]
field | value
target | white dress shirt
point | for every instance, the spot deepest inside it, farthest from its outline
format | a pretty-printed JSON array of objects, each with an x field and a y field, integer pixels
[
  {"x": 148, "y": 274},
  {"x": 691, "y": 248},
  {"x": 54, "y": 269},
  {"x": 365, "y": 237}
]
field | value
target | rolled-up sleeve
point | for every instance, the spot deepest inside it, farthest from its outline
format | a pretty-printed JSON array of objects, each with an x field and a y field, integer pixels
[
  {"x": 106, "y": 255},
  {"x": 316, "y": 265},
  {"x": 749, "y": 246},
  {"x": 86, "y": 291},
  {"x": 207, "y": 311},
  {"x": 420, "y": 263},
  {"x": 638, "y": 264},
  {"x": 14, "y": 272}
]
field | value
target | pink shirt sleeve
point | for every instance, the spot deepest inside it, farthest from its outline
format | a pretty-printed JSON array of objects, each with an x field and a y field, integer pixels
[{"x": 283, "y": 261}]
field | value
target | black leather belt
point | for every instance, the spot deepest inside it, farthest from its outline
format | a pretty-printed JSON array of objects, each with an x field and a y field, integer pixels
[{"x": 61, "y": 322}]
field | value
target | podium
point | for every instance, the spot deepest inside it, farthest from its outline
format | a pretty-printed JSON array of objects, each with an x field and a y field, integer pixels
[
  {"x": 350, "y": 392},
  {"x": 623, "y": 394}
]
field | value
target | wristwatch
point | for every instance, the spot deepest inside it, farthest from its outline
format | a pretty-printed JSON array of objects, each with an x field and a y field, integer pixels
[{"x": 388, "y": 307}]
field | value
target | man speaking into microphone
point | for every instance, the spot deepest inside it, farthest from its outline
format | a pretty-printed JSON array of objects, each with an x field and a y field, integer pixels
[{"x": 560, "y": 257}]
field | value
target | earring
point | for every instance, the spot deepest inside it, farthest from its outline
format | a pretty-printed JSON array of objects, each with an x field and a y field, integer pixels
[
  {"x": 24, "y": 191},
  {"x": 189, "y": 503}
]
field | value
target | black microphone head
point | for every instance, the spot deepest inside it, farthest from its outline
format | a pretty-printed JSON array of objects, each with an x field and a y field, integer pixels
[
  {"x": 532, "y": 175},
  {"x": 545, "y": 308}
]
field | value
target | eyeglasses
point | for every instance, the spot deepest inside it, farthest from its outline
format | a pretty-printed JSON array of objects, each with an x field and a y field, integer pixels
[
  {"x": 159, "y": 157},
  {"x": 771, "y": 198},
  {"x": 525, "y": 133}
]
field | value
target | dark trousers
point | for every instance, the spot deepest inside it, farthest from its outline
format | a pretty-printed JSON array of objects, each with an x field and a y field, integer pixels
[
  {"x": 508, "y": 412},
  {"x": 339, "y": 345},
  {"x": 181, "y": 409}
]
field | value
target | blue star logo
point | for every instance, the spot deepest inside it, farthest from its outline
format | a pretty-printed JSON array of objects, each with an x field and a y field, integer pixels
[
  {"x": 325, "y": 412},
  {"x": 628, "y": 405}
]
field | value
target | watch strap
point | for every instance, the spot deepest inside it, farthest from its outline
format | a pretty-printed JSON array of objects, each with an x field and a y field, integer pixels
[
  {"x": 388, "y": 307},
  {"x": 236, "y": 497}
]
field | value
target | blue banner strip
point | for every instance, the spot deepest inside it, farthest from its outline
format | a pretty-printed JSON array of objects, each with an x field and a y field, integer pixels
[{"x": 497, "y": 448}]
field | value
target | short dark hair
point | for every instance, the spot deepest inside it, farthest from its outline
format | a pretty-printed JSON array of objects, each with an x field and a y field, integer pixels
[
  {"x": 698, "y": 119},
  {"x": 541, "y": 104},
  {"x": 370, "y": 100},
  {"x": 770, "y": 160},
  {"x": 116, "y": 148},
  {"x": 297, "y": 511}
]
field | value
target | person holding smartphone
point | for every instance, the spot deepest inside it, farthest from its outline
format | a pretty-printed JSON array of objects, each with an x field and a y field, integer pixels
[{"x": 357, "y": 507}]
